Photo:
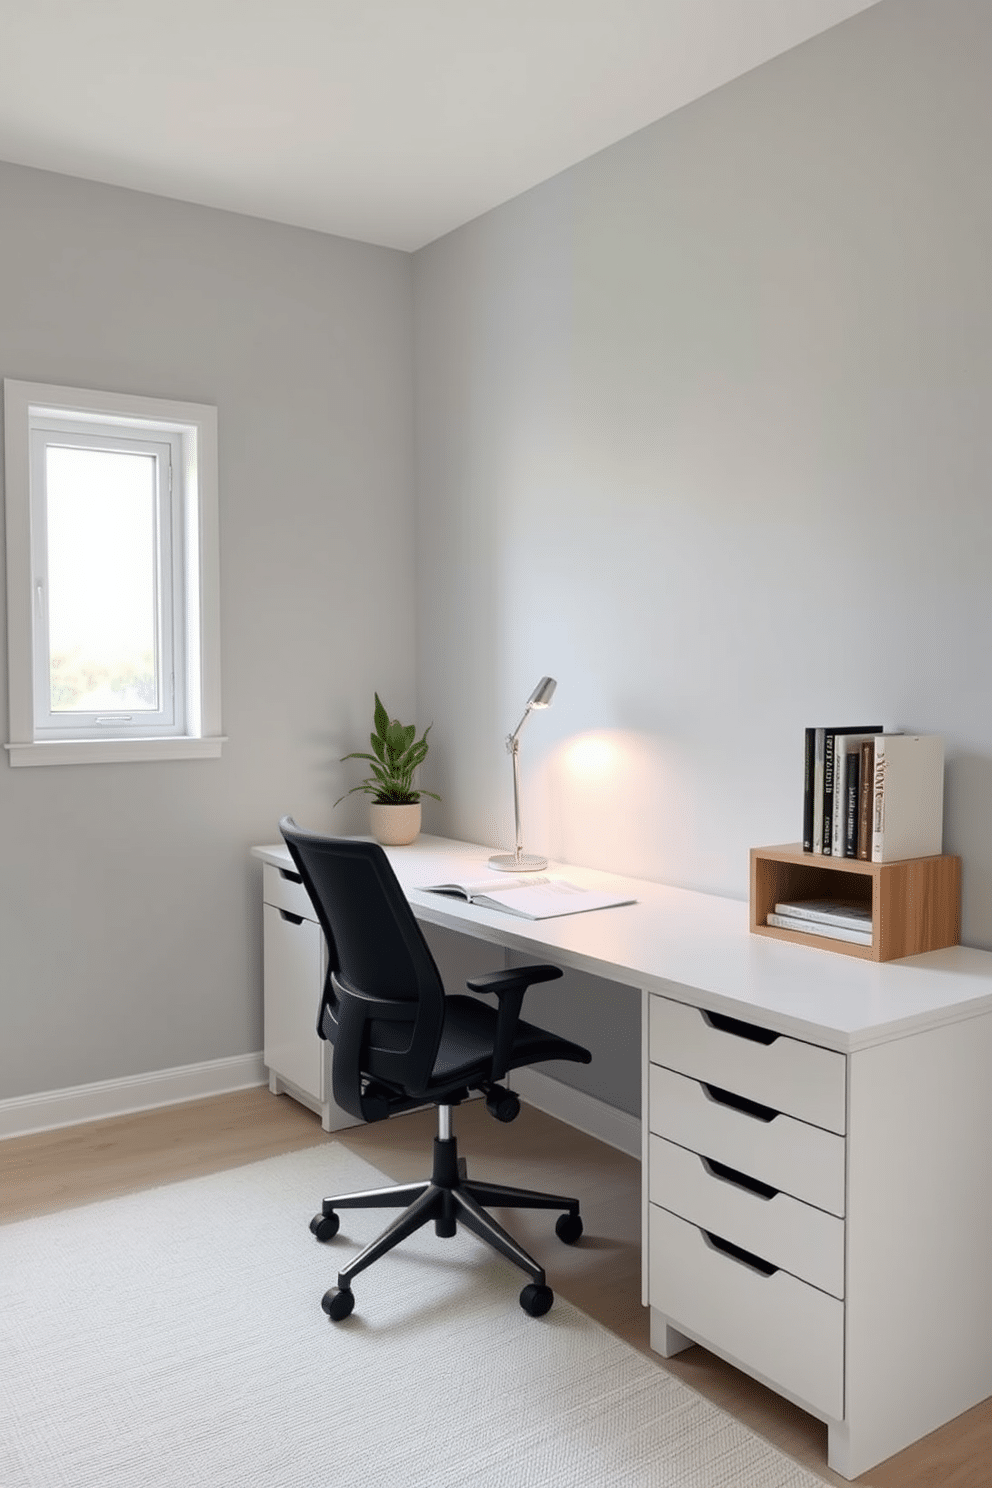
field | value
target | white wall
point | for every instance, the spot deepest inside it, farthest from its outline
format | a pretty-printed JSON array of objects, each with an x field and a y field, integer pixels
[
  {"x": 704, "y": 431},
  {"x": 129, "y": 913}
]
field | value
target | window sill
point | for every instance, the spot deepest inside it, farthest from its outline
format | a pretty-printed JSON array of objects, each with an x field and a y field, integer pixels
[{"x": 112, "y": 751}]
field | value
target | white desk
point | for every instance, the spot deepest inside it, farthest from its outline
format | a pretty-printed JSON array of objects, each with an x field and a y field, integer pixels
[{"x": 862, "y": 1189}]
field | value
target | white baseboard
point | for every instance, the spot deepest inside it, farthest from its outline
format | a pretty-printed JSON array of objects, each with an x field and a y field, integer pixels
[
  {"x": 24, "y": 1114},
  {"x": 587, "y": 1114}
]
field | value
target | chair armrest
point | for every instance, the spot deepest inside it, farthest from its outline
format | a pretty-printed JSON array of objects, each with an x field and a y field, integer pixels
[
  {"x": 512, "y": 978},
  {"x": 509, "y": 986}
]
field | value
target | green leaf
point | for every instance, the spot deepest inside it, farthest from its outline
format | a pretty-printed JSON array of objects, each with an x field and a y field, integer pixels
[
  {"x": 380, "y": 717},
  {"x": 363, "y": 787},
  {"x": 395, "y": 739}
]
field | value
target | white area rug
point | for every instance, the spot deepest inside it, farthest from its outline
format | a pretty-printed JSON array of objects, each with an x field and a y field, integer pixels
[{"x": 174, "y": 1338}]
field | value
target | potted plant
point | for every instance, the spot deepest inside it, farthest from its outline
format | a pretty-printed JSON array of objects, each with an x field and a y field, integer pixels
[{"x": 396, "y": 753}]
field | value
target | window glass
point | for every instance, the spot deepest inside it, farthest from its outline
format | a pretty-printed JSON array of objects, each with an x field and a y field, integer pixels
[{"x": 103, "y": 581}]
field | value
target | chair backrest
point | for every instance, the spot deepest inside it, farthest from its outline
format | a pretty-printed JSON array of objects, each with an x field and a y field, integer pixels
[{"x": 383, "y": 994}]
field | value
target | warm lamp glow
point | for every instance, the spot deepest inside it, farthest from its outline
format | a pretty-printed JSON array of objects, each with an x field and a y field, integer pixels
[
  {"x": 591, "y": 757},
  {"x": 616, "y": 801}
]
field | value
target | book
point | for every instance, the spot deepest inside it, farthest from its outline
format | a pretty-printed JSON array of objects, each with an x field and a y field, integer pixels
[
  {"x": 532, "y": 897},
  {"x": 852, "y": 790},
  {"x": 908, "y": 797},
  {"x": 845, "y": 742},
  {"x": 830, "y": 737},
  {"x": 809, "y": 766},
  {"x": 827, "y": 911},
  {"x": 820, "y": 927},
  {"x": 865, "y": 788},
  {"x": 818, "y": 747}
]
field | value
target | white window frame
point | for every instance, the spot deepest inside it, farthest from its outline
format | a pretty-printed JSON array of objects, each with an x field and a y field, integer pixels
[{"x": 191, "y": 428}]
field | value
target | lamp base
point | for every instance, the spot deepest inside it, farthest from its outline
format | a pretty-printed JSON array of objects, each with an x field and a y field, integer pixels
[{"x": 517, "y": 862}]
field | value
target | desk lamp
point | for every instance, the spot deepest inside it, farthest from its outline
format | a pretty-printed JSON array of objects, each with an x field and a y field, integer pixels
[{"x": 519, "y": 861}]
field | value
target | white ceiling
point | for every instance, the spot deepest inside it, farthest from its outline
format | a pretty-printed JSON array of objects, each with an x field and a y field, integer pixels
[{"x": 391, "y": 121}]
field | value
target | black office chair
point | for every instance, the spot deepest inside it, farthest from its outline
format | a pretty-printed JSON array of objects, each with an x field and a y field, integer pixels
[{"x": 400, "y": 1042}]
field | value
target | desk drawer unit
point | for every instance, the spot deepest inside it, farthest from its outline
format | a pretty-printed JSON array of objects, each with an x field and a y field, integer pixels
[
  {"x": 293, "y": 956},
  {"x": 746, "y": 1189},
  {"x": 295, "y": 962}
]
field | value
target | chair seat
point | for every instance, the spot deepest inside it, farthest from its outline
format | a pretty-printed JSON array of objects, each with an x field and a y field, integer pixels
[{"x": 466, "y": 1046}]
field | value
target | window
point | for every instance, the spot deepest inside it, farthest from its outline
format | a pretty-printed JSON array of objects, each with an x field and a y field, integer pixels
[{"x": 112, "y": 576}]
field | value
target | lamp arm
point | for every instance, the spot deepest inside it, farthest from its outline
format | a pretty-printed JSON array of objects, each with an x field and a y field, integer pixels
[
  {"x": 511, "y": 739},
  {"x": 515, "y": 756}
]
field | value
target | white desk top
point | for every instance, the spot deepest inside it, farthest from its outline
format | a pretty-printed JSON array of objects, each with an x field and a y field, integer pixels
[{"x": 697, "y": 947}]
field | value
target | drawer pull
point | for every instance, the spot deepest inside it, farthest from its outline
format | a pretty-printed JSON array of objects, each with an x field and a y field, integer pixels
[
  {"x": 739, "y": 1180},
  {"x": 288, "y": 874},
  {"x": 739, "y": 1254},
  {"x": 739, "y": 1103},
  {"x": 739, "y": 1028},
  {"x": 291, "y": 918}
]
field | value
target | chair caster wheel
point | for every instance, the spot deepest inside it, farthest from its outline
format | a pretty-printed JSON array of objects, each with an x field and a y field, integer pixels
[
  {"x": 569, "y": 1228},
  {"x": 503, "y": 1104},
  {"x": 536, "y": 1300},
  {"x": 325, "y": 1226},
  {"x": 338, "y": 1303}
]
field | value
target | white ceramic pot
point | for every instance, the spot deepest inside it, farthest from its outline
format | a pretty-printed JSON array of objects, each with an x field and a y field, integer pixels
[{"x": 394, "y": 826}]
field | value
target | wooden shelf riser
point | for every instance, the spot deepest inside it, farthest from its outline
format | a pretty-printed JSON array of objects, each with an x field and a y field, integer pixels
[{"x": 915, "y": 904}]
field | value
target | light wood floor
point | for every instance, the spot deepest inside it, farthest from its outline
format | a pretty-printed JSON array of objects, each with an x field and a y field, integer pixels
[{"x": 56, "y": 1170}]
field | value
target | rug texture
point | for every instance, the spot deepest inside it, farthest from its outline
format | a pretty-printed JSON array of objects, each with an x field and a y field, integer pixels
[{"x": 174, "y": 1338}]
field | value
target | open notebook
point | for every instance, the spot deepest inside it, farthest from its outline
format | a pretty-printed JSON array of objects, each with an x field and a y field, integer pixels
[{"x": 532, "y": 897}]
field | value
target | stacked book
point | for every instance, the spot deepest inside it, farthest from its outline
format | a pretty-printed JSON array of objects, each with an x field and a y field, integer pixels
[
  {"x": 826, "y": 917},
  {"x": 872, "y": 795}
]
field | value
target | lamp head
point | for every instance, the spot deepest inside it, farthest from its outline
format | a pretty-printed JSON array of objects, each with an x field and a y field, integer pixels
[
  {"x": 539, "y": 698},
  {"x": 543, "y": 693}
]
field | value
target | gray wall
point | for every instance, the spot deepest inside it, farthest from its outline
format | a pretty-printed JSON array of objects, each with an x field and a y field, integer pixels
[
  {"x": 704, "y": 431},
  {"x": 129, "y": 914}
]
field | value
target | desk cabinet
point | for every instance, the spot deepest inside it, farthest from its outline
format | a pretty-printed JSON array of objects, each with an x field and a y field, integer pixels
[
  {"x": 294, "y": 966},
  {"x": 818, "y": 1218},
  {"x": 746, "y": 1226}
]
